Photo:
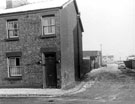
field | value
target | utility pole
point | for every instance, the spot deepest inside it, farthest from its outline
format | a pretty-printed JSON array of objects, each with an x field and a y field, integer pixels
[
  {"x": 101, "y": 53},
  {"x": 101, "y": 47},
  {"x": 120, "y": 58}
]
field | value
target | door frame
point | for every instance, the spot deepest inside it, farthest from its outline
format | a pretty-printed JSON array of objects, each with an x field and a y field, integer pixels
[{"x": 44, "y": 69}]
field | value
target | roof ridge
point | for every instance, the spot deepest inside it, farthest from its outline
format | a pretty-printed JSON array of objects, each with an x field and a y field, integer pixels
[
  {"x": 37, "y": 6},
  {"x": 39, "y": 1},
  {"x": 66, "y": 3}
]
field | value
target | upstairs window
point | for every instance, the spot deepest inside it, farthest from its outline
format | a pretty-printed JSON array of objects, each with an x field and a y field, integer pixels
[
  {"x": 12, "y": 28},
  {"x": 14, "y": 66},
  {"x": 48, "y": 25}
]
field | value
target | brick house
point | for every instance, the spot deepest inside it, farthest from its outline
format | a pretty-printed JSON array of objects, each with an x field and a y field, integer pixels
[{"x": 40, "y": 45}]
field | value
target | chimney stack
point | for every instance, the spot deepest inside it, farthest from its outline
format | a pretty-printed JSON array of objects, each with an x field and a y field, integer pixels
[{"x": 15, "y": 3}]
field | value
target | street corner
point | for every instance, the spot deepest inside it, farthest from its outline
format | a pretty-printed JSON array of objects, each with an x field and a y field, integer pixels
[{"x": 80, "y": 88}]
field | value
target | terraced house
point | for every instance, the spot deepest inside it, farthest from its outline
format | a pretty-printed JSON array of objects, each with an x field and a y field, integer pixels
[{"x": 40, "y": 44}]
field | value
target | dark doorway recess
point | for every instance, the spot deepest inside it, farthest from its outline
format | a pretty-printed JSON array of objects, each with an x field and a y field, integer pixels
[{"x": 50, "y": 69}]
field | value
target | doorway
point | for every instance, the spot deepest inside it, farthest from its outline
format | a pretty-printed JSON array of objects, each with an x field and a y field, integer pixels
[{"x": 50, "y": 70}]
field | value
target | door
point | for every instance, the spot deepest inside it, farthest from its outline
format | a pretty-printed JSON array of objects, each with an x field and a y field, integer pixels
[{"x": 51, "y": 73}]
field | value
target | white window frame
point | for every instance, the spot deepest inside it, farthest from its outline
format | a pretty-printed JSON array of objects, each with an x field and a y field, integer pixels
[
  {"x": 8, "y": 66},
  {"x": 49, "y": 25},
  {"x": 8, "y": 29}
]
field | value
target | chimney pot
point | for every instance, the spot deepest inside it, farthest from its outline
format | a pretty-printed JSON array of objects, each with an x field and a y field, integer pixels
[
  {"x": 8, "y": 4},
  {"x": 15, "y": 3}
]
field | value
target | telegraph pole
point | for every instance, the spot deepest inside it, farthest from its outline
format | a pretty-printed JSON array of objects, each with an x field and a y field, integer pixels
[{"x": 101, "y": 53}]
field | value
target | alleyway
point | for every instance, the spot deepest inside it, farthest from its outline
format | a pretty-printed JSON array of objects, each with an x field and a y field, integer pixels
[{"x": 106, "y": 85}]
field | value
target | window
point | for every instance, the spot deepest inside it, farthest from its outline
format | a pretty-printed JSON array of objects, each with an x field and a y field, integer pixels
[
  {"x": 12, "y": 28},
  {"x": 14, "y": 68},
  {"x": 48, "y": 25}
]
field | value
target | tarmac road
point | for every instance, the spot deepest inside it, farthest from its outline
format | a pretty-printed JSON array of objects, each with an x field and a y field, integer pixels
[{"x": 106, "y": 85}]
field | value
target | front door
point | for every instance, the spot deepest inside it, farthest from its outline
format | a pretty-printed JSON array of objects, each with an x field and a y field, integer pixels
[{"x": 50, "y": 69}]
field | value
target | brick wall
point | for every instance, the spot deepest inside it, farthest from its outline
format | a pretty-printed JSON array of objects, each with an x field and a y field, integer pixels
[{"x": 30, "y": 30}]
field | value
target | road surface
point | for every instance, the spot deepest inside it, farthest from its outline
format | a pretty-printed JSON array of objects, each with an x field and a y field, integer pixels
[{"x": 106, "y": 85}]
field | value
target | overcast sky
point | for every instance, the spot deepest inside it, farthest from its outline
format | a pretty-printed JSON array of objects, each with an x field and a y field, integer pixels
[
  {"x": 107, "y": 22},
  {"x": 110, "y": 23}
]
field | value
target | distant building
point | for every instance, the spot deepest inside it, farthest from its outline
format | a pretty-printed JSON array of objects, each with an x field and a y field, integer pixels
[
  {"x": 94, "y": 59},
  {"x": 108, "y": 59}
]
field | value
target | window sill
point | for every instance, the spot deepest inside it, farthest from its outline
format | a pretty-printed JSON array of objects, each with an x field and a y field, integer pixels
[
  {"x": 47, "y": 36},
  {"x": 12, "y": 39},
  {"x": 14, "y": 78}
]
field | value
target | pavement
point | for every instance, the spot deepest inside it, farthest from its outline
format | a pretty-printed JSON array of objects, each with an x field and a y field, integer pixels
[
  {"x": 38, "y": 92},
  {"x": 29, "y": 92},
  {"x": 106, "y": 85}
]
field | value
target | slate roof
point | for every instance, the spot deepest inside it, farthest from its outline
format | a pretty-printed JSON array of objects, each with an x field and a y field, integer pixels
[
  {"x": 49, "y": 4},
  {"x": 37, "y": 6}
]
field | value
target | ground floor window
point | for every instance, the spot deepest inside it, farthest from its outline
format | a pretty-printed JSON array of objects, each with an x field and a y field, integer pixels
[{"x": 14, "y": 67}]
